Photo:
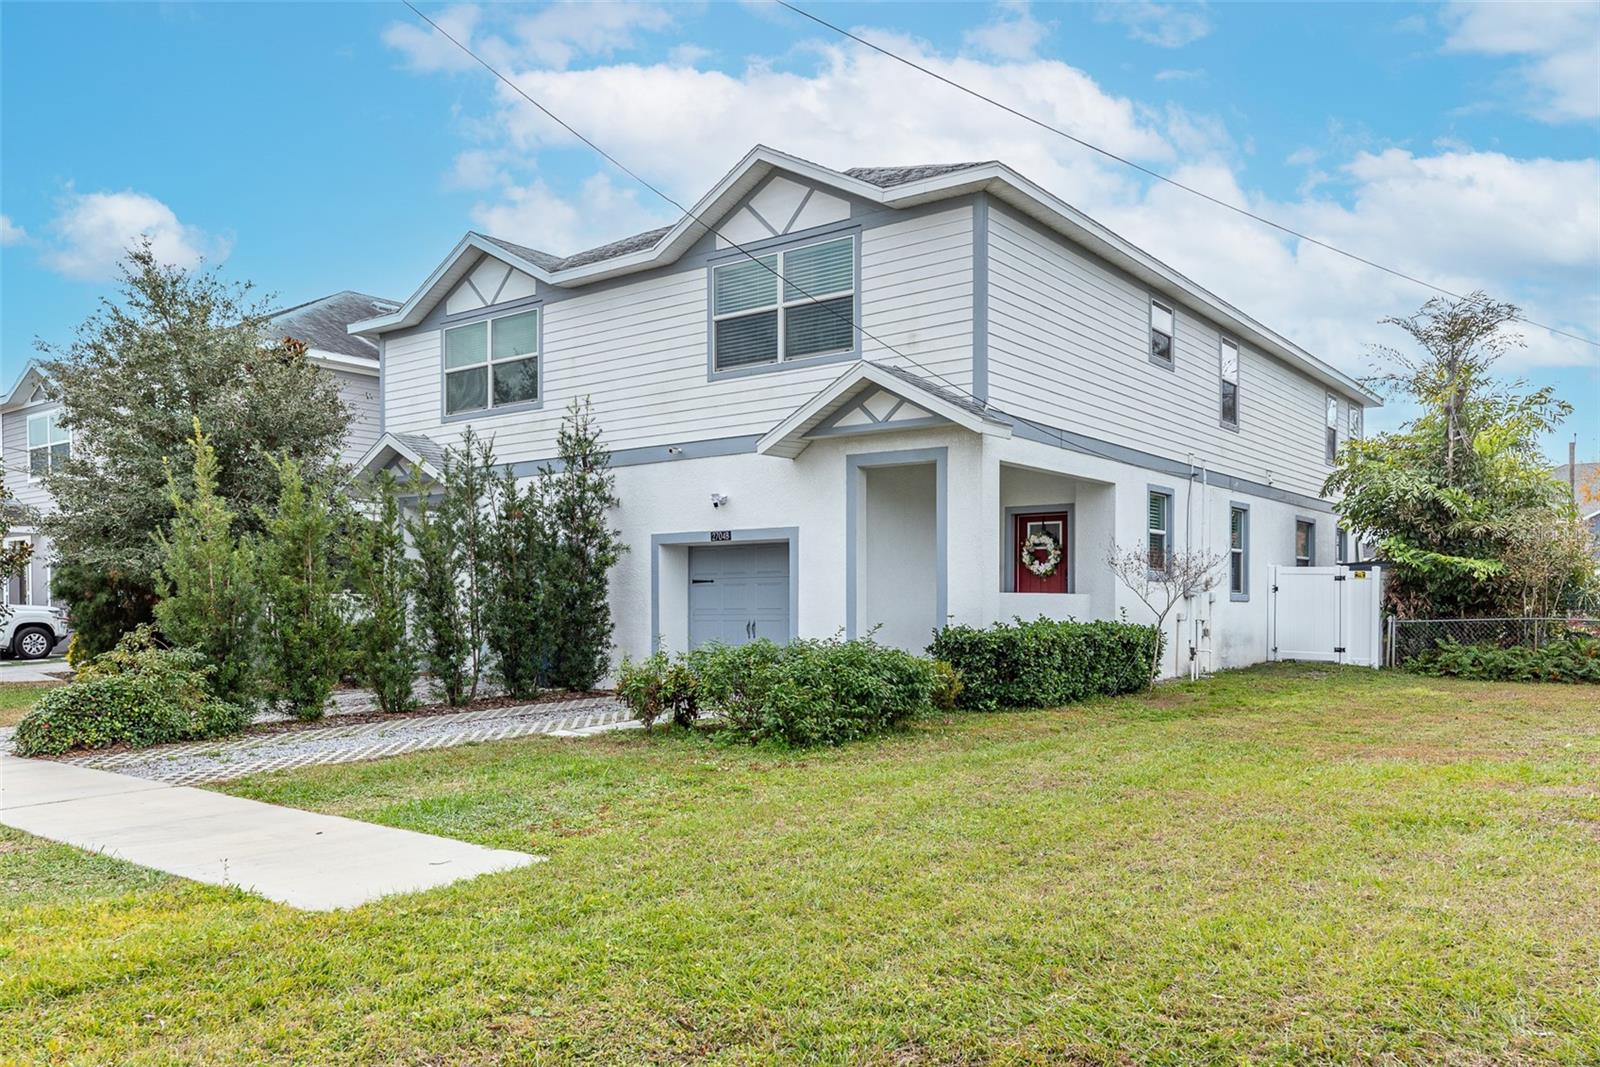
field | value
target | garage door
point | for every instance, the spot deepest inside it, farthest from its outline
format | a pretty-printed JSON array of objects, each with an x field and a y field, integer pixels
[{"x": 738, "y": 593}]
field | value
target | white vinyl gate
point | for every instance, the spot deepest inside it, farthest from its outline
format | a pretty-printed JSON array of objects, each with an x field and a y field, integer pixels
[{"x": 1331, "y": 614}]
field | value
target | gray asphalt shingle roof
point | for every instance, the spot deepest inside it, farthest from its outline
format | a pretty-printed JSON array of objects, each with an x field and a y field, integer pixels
[
  {"x": 427, "y": 449},
  {"x": 883, "y": 177},
  {"x": 322, "y": 323},
  {"x": 948, "y": 395}
]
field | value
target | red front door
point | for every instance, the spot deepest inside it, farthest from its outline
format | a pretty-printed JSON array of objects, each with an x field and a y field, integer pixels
[{"x": 1052, "y": 525}]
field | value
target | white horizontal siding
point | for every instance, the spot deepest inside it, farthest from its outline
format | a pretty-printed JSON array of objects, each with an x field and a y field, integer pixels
[
  {"x": 1068, "y": 346},
  {"x": 639, "y": 350},
  {"x": 14, "y": 452},
  {"x": 360, "y": 395}
]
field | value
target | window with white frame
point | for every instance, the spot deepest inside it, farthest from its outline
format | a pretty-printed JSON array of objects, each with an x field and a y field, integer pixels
[
  {"x": 1341, "y": 545},
  {"x": 1305, "y": 542},
  {"x": 1161, "y": 332},
  {"x": 1331, "y": 442},
  {"x": 49, "y": 443},
  {"x": 793, "y": 304},
  {"x": 1159, "y": 543},
  {"x": 1354, "y": 419},
  {"x": 1238, "y": 552},
  {"x": 1230, "y": 382},
  {"x": 492, "y": 363}
]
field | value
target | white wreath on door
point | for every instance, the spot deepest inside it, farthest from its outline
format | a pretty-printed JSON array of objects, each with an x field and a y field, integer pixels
[{"x": 1041, "y": 566}]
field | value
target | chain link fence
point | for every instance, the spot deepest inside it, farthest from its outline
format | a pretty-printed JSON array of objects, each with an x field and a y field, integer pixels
[{"x": 1407, "y": 638}]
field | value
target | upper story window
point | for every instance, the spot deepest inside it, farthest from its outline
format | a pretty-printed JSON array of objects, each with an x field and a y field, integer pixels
[
  {"x": 492, "y": 363},
  {"x": 1355, "y": 422},
  {"x": 1331, "y": 444},
  {"x": 755, "y": 324},
  {"x": 1305, "y": 542},
  {"x": 1161, "y": 333},
  {"x": 49, "y": 443},
  {"x": 1159, "y": 543},
  {"x": 1230, "y": 382},
  {"x": 1238, "y": 552}
]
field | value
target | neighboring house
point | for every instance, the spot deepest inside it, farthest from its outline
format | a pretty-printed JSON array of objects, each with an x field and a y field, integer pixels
[
  {"x": 31, "y": 439},
  {"x": 1018, "y": 370},
  {"x": 1585, "y": 486}
]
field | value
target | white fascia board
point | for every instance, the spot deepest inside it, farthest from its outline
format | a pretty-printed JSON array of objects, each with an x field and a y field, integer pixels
[
  {"x": 389, "y": 443},
  {"x": 340, "y": 361},
  {"x": 798, "y": 422}
]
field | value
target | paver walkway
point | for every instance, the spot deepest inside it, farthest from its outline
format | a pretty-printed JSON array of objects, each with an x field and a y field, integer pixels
[
  {"x": 334, "y": 742},
  {"x": 300, "y": 858}
]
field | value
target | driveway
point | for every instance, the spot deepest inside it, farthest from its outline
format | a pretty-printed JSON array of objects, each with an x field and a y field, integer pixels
[{"x": 333, "y": 741}]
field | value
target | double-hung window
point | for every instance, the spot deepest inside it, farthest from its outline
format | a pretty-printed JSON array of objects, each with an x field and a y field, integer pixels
[
  {"x": 793, "y": 304},
  {"x": 1239, "y": 553},
  {"x": 1331, "y": 442},
  {"x": 1161, "y": 333},
  {"x": 1230, "y": 382},
  {"x": 1355, "y": 422},
  {"x": 49, "y": 443},
  {"x": 492, "y": 363},
  {"x": 1305, "y": 542},
  {"x": 1341, "y": 545},
  {"x": 1159, "y": 543}
]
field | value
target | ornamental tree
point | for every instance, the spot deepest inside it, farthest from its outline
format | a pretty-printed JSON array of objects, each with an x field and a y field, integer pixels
[
  {"x": 516, "y": 629},
  {"x": 304, "y": 639},
  {"x": 1448, "y": 495},
  {"x": 1182, "y": 576},
  {"x": 440, "y": 620},
  {"x": 382, "y": 579},
  {"x": 171, "y": 347},
  {"x": 206, "y": 578}
]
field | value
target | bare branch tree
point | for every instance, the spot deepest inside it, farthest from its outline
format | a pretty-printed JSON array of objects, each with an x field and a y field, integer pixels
[{"x": 1179, "y": 576}]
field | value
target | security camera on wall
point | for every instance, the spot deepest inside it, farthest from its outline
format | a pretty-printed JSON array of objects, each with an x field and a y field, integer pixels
[{"x": 719, "y": 500}]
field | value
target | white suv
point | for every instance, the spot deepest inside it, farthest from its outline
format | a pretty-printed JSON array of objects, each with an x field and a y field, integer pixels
[{"x": 31, "y": 632}]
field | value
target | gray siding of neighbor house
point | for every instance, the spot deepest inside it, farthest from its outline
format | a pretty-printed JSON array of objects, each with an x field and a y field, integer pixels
[
  {"x": 360, "y": 394},
  {"x": 1068, "y": 344},
  {"x": 14, "y": 449}
]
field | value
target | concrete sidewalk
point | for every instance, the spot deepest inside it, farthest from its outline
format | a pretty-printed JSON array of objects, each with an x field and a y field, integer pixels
[{"x": 300, "y": 858}]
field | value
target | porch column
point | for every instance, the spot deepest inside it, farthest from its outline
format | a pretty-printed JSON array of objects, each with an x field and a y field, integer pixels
[{"x": 974, "y": 526}]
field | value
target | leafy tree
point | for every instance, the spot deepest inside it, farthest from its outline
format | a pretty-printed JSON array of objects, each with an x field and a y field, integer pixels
[
  {"x": 578, "y": 496},
  {"x": 1447, "y": 495},
  {"x": 469, "y": 479},
  {"x": 175, "y": 346},
  {"x": 515, "y": 627},
  {"x": 304, "y": 641},
  {"x": 206, "y": 579},
  {"x": 382, "y": 579},
  {"x": 440, "y": 618}
]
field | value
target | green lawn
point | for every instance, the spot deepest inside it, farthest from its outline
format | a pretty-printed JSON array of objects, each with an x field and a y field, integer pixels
[
  {"x": 17, "y": 697},
  {"x": 1279, "y": 865}
]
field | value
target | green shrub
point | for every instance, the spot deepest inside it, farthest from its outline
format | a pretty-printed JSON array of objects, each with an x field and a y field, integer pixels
[
  {"x": 811, "y": 692},
  {"x": 658, "y": 686},
  {"x": 1574, "y": 657},
  {"x": 1045, "y": 663},
  {"x": 139, "y": 693},
  {"x": 947, "y": 686}
]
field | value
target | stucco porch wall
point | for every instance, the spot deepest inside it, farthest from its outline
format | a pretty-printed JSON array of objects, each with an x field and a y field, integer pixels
[{"x": 806, "y": 500}]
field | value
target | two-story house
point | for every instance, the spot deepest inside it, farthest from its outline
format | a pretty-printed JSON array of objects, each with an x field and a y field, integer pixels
[
  {"x": 883, "y": 399},
  {"x": 32, "y": 440}
]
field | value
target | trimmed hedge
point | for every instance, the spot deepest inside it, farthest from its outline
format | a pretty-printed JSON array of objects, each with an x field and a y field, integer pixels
[
  {"x": 1572, "y": 658},
  {"x": 138, "y": 693},
  {"x": 804, "y": 693},
  {"x": 1046, "y": 663}
]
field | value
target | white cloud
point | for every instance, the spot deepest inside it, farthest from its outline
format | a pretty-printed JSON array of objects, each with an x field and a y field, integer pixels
[
  {"x": 1176, "y": 75},
  {"x": 1013, "y": 33},
  {"x": 10, "y": 232},
  {"x": 552, "y": 37},
  {"x": 93, "y": 232},
  {"x": 1560, "y": 45},
  {"x": 1163, "y": 25},
  {"x": 1524, "y": 229},
  {"x": 533, "y": 214}
]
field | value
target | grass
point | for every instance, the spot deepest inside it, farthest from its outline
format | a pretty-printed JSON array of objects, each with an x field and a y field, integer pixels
[
  {"x": 16, "y": 698},
  {"x": 1279, "y": 865}
]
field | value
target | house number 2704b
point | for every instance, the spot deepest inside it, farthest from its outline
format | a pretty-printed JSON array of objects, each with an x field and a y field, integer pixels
[{"x": 722, "y": 535}]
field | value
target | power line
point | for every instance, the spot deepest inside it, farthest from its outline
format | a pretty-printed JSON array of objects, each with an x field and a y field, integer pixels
[
  {"x": 752, "y": 257},
  {"x": 1153, "y": 173}
]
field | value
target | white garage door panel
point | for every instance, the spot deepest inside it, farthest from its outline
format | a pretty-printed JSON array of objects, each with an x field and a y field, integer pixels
[{"x": 738, "y": 593}]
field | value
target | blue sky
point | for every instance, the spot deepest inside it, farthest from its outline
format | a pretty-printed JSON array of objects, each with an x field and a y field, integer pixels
[{"x": 311, "y": 148}]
